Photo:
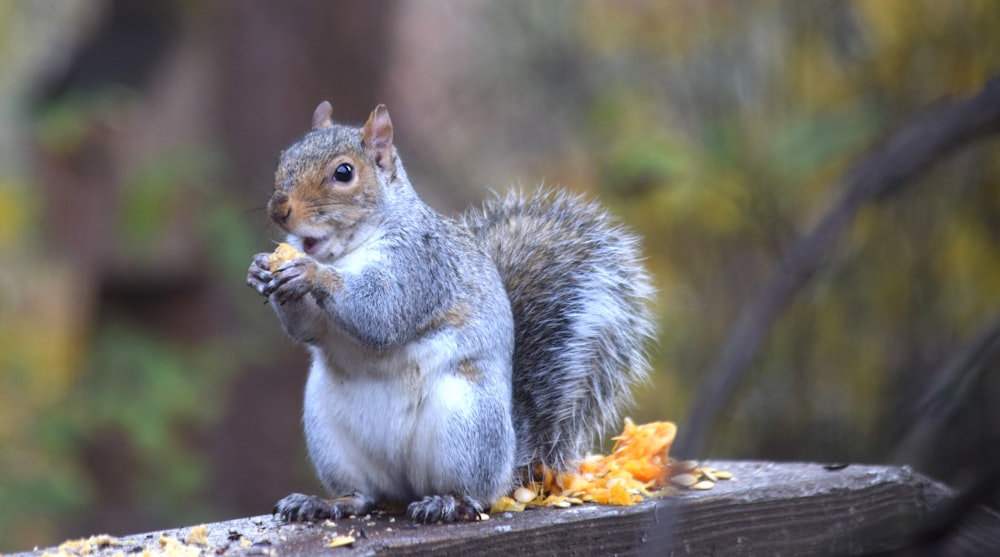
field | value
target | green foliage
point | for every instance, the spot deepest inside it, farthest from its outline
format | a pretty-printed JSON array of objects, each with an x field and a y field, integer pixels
[
  {"x": 159, "y": 195},
  {"x": 138, "y": 384},
  {"x": 65, "y": 125},
  {"x": 731, "y": 151},
  {"x": 718, "y": 130},
  {"x": 151, "y": 394},
  {"x": 151, "y": 390},
  {"x": 230, "y": 240},
  {"x": 113, "y": 388}
]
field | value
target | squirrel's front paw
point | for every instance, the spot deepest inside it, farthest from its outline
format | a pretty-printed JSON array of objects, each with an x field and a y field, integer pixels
[
  {"x": 258, "y": 276},
  {"x": 290, "y": 281},
  {"x": 309, "y": 508},
  {"x": 445, "y": 508},
  {"x": 296, "y": 278}
]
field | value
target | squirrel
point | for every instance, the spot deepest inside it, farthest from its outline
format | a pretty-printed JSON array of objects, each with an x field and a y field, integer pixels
[{"x": 450, "y": 357}]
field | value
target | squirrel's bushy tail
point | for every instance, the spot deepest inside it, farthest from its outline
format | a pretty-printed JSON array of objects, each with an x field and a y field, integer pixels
[{"x": 582, "y": 320}]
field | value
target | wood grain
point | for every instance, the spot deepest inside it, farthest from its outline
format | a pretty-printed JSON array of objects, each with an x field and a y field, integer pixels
[{"x": 767, "y": 509}]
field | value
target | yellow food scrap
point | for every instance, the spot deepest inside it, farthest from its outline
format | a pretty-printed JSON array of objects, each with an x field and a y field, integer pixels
[
  {"x": 638, "y": 464},
  {"x": 282, "y": 254},
  {"x": 504, "y": 504},
  {"x": 175, "y": 548},
  {"x": 339, "y": 541},
  {"x": 198, "y": 535},
  {"x": 84, "y": 546}
]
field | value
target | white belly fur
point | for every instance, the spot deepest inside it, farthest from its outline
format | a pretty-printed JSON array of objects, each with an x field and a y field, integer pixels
[{"x": 373, "y": 424}]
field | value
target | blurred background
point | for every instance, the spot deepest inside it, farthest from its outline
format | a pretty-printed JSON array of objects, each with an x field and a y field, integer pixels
[{"x": 144, "y": 386}]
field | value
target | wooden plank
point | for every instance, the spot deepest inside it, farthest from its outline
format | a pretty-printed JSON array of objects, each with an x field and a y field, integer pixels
[{"x": 769, "y": 508}]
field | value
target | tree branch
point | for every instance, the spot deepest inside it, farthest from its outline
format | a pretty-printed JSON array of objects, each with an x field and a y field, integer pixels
[{"x": 939, "y": 130}]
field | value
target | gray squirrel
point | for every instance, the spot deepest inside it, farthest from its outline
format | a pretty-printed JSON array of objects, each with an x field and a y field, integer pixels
[{"x": 450, "y": 358}]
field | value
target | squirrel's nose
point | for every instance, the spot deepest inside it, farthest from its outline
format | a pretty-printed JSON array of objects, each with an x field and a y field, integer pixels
[{"x": 279, "y": 209}]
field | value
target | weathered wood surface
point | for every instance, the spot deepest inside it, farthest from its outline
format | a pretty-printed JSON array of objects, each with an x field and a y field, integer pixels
[{"x": 768, "y": 509}]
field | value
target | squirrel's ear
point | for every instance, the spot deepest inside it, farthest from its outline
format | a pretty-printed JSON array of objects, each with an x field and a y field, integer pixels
[
  {"x": 377, "y": 135},
  {"x": 321, "y": 116}
]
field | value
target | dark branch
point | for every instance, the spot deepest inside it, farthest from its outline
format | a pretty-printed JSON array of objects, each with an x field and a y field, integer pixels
[
  {"x": 950, "y": 386},
  {"x": 939, "y": 130}
]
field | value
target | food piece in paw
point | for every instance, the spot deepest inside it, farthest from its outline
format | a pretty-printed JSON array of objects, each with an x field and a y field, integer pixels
[{"x": 281, "y": 255}]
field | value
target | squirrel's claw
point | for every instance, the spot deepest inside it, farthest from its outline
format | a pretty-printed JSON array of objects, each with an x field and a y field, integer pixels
[
  {"x": 309, "y": 508},
  {"x": 445, "y": 508},
  {"x": 292, "y": 280},
  {"x": 262, "y": 261},
  {"x": 303, "y": 508},
  {"x": 258, "y": 275}
]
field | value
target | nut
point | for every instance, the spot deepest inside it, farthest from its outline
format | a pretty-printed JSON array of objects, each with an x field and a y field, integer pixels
[
  {"x": 281, "y": 255},
  {"x": 684, "y": 480},
  {"x": 524, "y": 495}
]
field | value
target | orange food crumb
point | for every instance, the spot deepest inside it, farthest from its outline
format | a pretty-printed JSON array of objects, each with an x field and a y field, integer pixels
[{"x": 638, "y": 465}]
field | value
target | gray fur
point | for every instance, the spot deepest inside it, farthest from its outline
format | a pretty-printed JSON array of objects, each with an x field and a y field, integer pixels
[
  {"x": 561, "y": 257},
  {"x": 448, "y": 354}
]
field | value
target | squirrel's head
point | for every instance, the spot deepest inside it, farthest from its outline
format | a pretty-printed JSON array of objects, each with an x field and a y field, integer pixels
[{"x": 330, "y": 183}]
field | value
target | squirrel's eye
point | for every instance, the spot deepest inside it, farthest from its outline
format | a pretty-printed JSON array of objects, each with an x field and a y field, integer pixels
[{"x": 343, "y": 173}]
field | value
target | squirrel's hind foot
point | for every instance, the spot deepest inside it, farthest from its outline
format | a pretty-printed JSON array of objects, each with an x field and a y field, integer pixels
[
  {"x": 445, "y": 508},
  {"x": 309, "y": 508}
]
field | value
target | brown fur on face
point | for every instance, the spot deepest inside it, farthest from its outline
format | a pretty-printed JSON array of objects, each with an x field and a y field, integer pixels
[{"x": 307, "y": 199}]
